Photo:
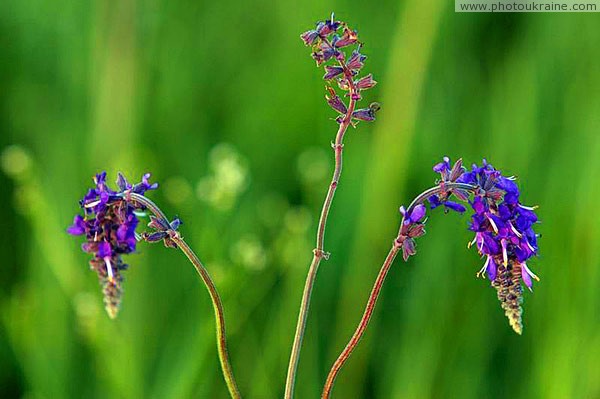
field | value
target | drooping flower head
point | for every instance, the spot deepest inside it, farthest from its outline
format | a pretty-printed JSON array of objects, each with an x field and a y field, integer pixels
[
  {"x": 503, "y": 227},
  {"x": 330, "y": 41},
  {"x": 109, "y": 223},
  {"x": 504, "y": 236}
]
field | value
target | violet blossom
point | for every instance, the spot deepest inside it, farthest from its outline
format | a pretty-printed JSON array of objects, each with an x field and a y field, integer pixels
[{"x": 109, "y": 224}]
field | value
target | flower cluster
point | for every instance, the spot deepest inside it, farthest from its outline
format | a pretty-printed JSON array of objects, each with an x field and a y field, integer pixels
[
  {"x": 413, "y": 226},
  {"x": 109, "y": 225},
  {"x": 504, "y": 235},
  {"x": 503, "y": 227},
  {"x": 329, "y": 41}
]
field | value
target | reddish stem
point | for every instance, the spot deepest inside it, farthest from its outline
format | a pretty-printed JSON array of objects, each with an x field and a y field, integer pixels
[
  {"x": 364, "y": 322},
  {"x": 372, "y": 301}
]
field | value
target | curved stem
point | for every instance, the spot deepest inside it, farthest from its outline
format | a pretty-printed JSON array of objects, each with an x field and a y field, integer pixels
[
  {"x": 364, "y": 322},
  {"x": 318, "y": 252},
  {"x": 212, "y": 291},
  {"x": 219, "y": 315},
  {"x": 372, "y": 301}
]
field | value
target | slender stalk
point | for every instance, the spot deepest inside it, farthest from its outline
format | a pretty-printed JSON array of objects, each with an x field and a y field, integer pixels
[
  {"x": 364, "y": 322},
  {"x": 212, "y": 290},
  {"x": 375, "y": 291},
  {"x": 219, "y": 315},
  {"x": 318, "y": 252}
]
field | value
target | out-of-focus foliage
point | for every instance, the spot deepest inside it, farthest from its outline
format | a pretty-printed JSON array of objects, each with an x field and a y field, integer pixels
[{"x": 221, "y": 101}]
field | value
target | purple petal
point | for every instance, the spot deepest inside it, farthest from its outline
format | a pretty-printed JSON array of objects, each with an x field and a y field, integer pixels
[
  {"x": 175, "y": 223},
  {"x": 309, "y": 37},
  {"x": 507, "y": 185},
  {"x": 366, "y": 82},
  {"x": 408, "y": 248},
  {"x": 434, "y": 201},
  {"x": 416, "y": 230},
  {"x": 511, "y": 198},
  {"x": 122, "y": 182},
  {"x": 364, "y": 114},
  {"x": 332, "y": 72},
  {"x": 442, "y": 166},
  {"x": 478, "y": 205},
  {"x": 461, "y": 194},
  {"x": 418, "y": 213},
  {"x": 104, "y": 250},
  {"x": 457, "y": 170},
  {"x": 491, "y": 245},
  {"x": 156, "y": 236},
  {"x": 122, "y": 232},
  {"x": 355, "y": 61},
  {"x": 89, "y": 247},
  {"x": 491, "y": 268},
  {"x": 468, "y": 178},
  {"x": 78, "y": 226},
  {"x": 349, "y": 37},
  {"x": 336, "y": 102},
  {"x": 100, "y": 179},
  {"x": 455, "y": 206},
  {"x": 526, "y": 277}
]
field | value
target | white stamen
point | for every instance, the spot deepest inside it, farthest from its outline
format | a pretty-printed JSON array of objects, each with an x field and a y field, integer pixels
[
  {"x": 92, "y": 204},
  {"x": 109, "y": 270},
  {"x": 470, "y": 243},
  {"x": 504, "y": 254},
  {"x": 530, "y": 246},
  {"x": 515, "y": 230},
  {"x": 481, "y": 272},
  {"x": 536, "y": 278},
  {"x": 493, "y": 224},
  {"x": 529, "y": 208}
]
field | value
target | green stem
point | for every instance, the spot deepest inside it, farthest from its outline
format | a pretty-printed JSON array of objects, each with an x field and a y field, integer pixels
[
  {"x": 219, "y": 315},
  {"x": 210, "y": 286},
  {"x": 318, "y": 252}
]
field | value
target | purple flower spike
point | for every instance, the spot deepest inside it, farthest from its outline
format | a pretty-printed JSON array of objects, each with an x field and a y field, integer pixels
[
  {"x": 504, "y": 233},
  {"x": 109, "y": 225},
  {"x": 503, "y": 227},
  {"x": 330, "y": 42}
]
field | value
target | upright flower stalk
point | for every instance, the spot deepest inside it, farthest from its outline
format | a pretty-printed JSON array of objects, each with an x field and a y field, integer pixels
[
  {"x": 503, "y": 236},
  {"x": 109, "y": 226},
  {"x": 328, "y": 41}
]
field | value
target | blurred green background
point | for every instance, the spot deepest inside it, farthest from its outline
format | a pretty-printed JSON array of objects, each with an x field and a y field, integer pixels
[{"x": 221, "y": 101}]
